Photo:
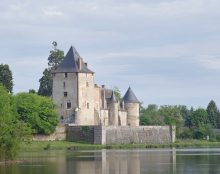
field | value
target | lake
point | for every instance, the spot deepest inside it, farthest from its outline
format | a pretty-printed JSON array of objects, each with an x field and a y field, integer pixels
[{"x": 137, "y": 161}]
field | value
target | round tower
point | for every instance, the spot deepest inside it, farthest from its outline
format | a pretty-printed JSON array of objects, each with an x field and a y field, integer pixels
[
  {"x": 113, "y": 110},
  {"x": 132, "y": 108}
]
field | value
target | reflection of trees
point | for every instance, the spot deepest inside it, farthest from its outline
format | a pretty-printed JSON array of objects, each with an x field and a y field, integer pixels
[{"x": 198, "y": 162}]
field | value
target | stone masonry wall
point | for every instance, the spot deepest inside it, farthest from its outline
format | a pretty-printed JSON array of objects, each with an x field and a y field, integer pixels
[
  {"x": 122, "y": 134},
  {"x": 58, "y": 135},
  {"x": 80, "y": 133},
  {"x": 138, "y": 135}
]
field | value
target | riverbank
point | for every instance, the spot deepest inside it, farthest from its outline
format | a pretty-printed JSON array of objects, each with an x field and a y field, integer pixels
[{"x": 60, "y": 145}]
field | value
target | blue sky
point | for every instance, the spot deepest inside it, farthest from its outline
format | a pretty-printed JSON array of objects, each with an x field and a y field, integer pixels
[{"x": 168, "y": 51}]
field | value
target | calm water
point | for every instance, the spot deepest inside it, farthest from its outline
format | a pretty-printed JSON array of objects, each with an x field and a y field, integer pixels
[{"x": 138, "y": 161}]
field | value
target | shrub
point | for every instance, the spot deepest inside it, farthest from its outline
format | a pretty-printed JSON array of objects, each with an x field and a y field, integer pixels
[{"x": 37, "y": 111}]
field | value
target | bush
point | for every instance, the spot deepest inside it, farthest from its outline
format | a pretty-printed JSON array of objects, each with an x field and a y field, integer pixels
[
  {"x": 37, "y": 111},
  {"x": 12, "y": 131},
  {"x": 217, "y": 137},
  {"x": 186, "y": 134}
]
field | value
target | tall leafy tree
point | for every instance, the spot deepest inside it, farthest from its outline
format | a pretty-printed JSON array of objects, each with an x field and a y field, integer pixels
[
  {"x": 56, "y": 56},
  {"x": 150, "y": 115},
  {"x": 46, "y": 81},
  {"x": 12, "y": 131},
  {"x": 6, "y": 77},
  {"x": 117, "y": 93},
  {"x": 213, "y": 113},
  {"x": 199, "y": 118},
  {"x": 37, "y": 111}
]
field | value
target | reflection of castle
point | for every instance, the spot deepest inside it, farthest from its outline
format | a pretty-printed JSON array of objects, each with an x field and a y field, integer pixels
[
  {"x": 123, "y": 162},
  {"x": 82, "y": 102}
]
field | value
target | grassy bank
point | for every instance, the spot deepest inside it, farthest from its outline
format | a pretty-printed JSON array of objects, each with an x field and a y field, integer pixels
[{"x": 59, "y": 145}]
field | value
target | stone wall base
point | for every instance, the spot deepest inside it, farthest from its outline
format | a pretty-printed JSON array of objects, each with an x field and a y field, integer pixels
[
  {"x": 122, "y": 134},
  {"x": 58, "y": 135}
]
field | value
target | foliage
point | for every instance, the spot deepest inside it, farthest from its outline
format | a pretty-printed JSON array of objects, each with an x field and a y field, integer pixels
[
  {"x": 46, "y": 81},
  {"x": 165, "y": 115},
  {"x": 199, "y": 117},
  {"x": 200, "y": 128},
  {"x": 186, "y": 134},
  {"x": 6, "y": 77},
  {"x": 32, "y": 91},
  {"x": 117, "y": 93},
  {"x": 56, "y": 56},
  {"x": 13, "y": 132},
  {"x": 150, "y": 115},
  {"x": 213, "y": 114},
  {"x": 37, "y": 111}
]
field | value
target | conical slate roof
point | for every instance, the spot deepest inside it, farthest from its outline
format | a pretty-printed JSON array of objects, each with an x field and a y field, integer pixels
[
  {"x": 70, "y": 63},
  {"x": 113, "y": 98},
  {"x": 130, "y": 97}
]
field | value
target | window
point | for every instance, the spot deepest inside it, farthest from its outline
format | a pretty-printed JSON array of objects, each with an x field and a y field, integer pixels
[
  {"x": 87, "y": 84},
  {"x": 87, "y": 105},
  {"x": 65, "y": 75},
  {"x": 65, "y": 94},
  {"x": 68, "y": 105}
]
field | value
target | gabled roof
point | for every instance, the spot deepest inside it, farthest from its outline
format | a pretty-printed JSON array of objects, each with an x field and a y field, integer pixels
[
  {"x": 70, "y": 63},
  {"x": 130, "y": 97}
]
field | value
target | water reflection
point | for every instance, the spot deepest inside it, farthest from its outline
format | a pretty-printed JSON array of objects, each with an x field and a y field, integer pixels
[{"x": 138, "y": 161}]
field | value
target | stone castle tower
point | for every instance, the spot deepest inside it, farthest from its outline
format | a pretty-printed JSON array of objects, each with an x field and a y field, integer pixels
[{"x": 82, "y": 102}]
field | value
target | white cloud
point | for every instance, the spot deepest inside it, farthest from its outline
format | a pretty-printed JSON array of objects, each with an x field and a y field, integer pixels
[
  {"x": 108, "y": 32},
  {"x": 52, "y": 11},
  {"x": 211, "y": 63}
]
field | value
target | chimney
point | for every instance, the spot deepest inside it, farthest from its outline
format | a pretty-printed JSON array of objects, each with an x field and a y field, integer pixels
[{"x": 103, "y": 86}]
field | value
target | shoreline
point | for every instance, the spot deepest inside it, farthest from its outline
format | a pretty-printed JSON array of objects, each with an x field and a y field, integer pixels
[{"x": 65, "y": 145}]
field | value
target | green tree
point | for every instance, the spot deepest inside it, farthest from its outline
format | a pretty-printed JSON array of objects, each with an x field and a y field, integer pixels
[
  {"x": 32, "y": 91},
  {"x": 172, "y": 116},
  {"x": 199, "y": 118},
  {"x": 199, "y": 123},
  {"x": 6, "y": 77},
  {"x": 117, "y": 93},
  {"x": 46, "y": 81},
  {"x": 12, "y": 131},
  {"x": 213, "y": 114},
  {"x": 187, "y": 116},
  {"x": 37, "y": 111},
  {"x": 150, "y": 115},
  {"x": 56, "y": 56}
]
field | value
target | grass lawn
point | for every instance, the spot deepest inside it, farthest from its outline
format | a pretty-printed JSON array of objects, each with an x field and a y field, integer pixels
[{"x": 60, "y": 145}]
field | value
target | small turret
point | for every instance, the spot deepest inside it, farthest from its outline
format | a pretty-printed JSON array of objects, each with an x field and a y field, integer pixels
[
  {"x": 113, "y": 120},
  {"x": 132, "y": 107}
]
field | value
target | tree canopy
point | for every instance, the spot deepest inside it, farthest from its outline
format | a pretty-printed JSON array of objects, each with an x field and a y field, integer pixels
[
  {"x": 213, "y": 114},
  {"x": 6, "y": 77},
  {"x": 46, "y": 81},
  {"x": 37, "y": 111},
  {"x": 117, "y": 93},
  {"x": 56, "y": 56},
  {"x": 12, "y": 131}
]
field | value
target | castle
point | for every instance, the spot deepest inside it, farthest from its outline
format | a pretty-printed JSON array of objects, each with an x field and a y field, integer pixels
[{"x": 82, "y": 102}]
